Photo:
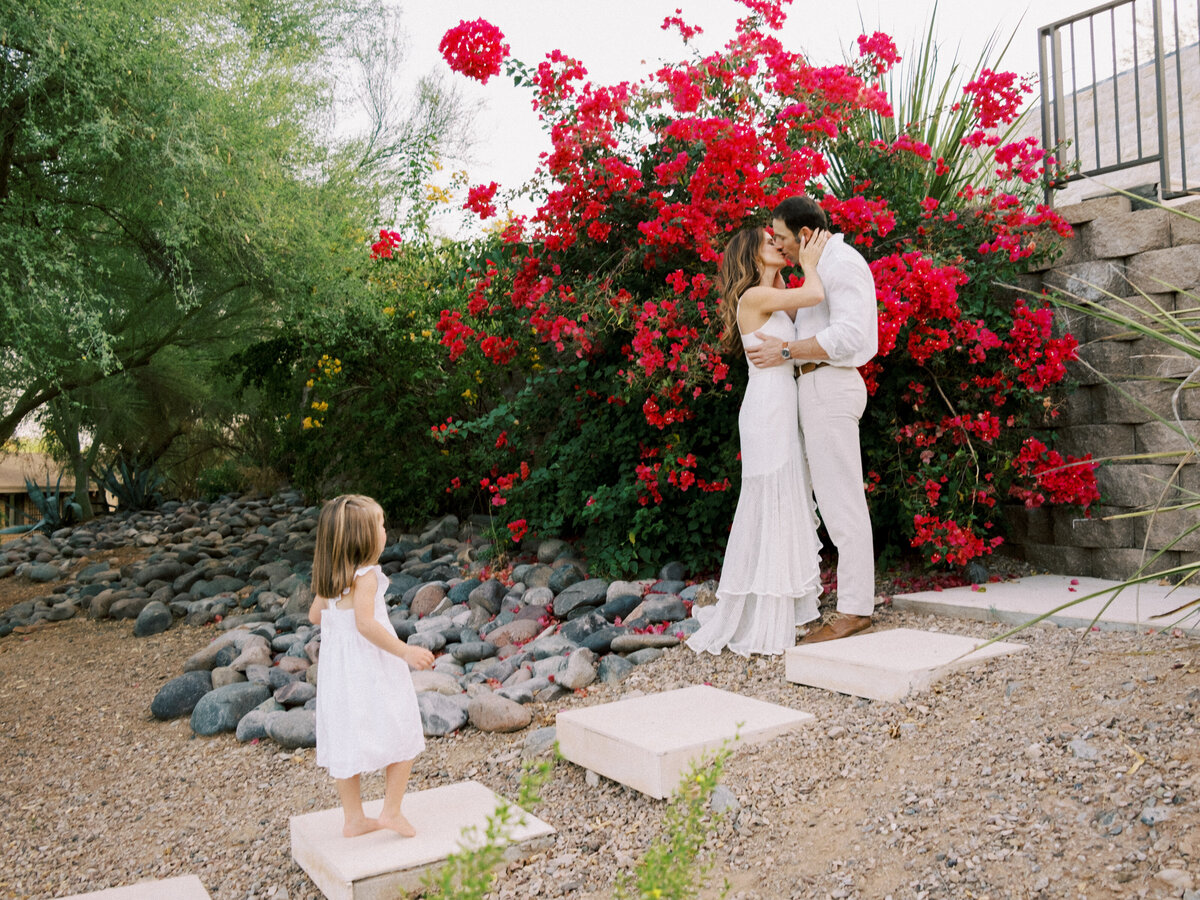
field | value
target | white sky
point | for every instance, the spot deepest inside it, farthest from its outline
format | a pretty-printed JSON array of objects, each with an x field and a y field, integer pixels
[{"x": 622, "y": 40}]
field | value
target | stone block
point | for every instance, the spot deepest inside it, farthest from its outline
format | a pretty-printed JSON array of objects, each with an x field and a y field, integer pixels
[
  {"x": 1132, "y": 402},
  {"x": 1171, "y": 527},
  {"x": 1159, "y": 437},
  {"x": 1029, "y": 525},
  {"x": 1098, "y": 440},
  {"x": 1081, "y": 599},
  {"x": 1183, "y": 229},
  {"x": 1079, "y": 407},
  {"x": 1116, "y": 236},
  {"x": 1094, "y": 208},
  {"x": 1073, "y": 529},
  {"x": 1175, "y": 268},
  {"x": 1090, "y": 280},
  {"x": 1056, "y": 559},
  {"x": 649, "y": 742},
  {"x": 186, "y": 887},
  {"x": 1124, "y": 562},
  {"x": 887, "y": 665},
  {"x": 1136, "y": 486},
  {"x": 382, "y": 865},
  {"x": 1138, "y": 307}
]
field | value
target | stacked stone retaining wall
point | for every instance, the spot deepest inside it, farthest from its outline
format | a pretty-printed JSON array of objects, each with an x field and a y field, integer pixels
[{"x": 1123, "y": 381}]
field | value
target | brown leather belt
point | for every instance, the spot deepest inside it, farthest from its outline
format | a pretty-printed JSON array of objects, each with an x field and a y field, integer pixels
[{"x": 805, "y": 368}]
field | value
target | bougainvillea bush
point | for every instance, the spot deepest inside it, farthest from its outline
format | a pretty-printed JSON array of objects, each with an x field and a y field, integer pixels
[{"x": 606, "y": 409}]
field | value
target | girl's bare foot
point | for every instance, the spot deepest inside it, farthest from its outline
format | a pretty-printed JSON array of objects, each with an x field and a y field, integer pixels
[
  {"x": 398, "y": 824},
  {"x": 360, "y": 826}
]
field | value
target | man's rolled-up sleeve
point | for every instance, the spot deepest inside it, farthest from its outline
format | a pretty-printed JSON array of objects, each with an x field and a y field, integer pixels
[{"x": 852, "y": 335}]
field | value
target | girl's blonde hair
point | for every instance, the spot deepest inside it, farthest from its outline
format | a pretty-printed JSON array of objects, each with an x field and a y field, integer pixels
[
  {"x": 741, "y": 268},
  {"x": 348, "y": 537}
]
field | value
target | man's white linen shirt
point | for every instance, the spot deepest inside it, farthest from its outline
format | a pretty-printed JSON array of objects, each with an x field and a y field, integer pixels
[{"x": 846, "y": 322}]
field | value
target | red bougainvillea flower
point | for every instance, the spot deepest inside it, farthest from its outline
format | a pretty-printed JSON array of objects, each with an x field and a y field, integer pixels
[
  {"x": 479, "y": 200},
  {"x": 880, "y": 47},
  {"x": 388, "y": 241},
  {"x": 475, "y": 49}
]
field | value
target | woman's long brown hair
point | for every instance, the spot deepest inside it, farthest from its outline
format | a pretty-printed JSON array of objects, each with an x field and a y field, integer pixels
[{"x": 741, "y": 268}]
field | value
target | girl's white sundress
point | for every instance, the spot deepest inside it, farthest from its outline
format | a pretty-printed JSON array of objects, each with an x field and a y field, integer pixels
[
  {"x": 771, "y": 576},
  {"x": 367, "y": 713}
]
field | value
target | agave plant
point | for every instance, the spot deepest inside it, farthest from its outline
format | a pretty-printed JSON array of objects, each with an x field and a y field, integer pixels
[
  {"x": 136, "y": 487},
  {"x": 55, "y": 512}
]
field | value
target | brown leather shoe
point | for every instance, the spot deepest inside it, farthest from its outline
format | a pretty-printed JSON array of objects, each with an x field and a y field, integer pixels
[{"x": 839, "y": 627}]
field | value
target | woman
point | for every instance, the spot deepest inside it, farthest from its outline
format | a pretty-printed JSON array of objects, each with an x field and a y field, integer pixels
[{"x": 771, "y": 576}]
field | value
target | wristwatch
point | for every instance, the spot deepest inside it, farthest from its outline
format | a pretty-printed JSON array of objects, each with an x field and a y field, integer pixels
[{"x": 785, "y": 352}]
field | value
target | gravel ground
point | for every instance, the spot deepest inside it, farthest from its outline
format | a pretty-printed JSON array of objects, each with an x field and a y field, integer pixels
[{"x": 1034, "y": 776}]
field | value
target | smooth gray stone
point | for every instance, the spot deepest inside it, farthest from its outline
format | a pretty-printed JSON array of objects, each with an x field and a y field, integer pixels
[
  {"x": 663, "y": 608},
  {"x": 540, "y": 597},
  {"x": 155, "y": 618},
  {"x": 401, "y": 623},
  {"x": 566, "y": 576},
  {"x": 551, "y": 665},
  {"x": 643, "y": 656},
  {"x": 165, "y": 571},
  {"x": 629, "y": 643},
  {"x": 487, "y": 595},
  {"x": 279, "y": 678},
  {"x": 440, "y": 714},
  {"x": 551, "y": 549},
  {"x": 601, "y": 641},
  {"x": 619, "y": 607},
  {"x": 495, "y": 669},
  {"x": 179, "y": 696},
  {"x": 461, "y": 591},
  {"x": 399, "y": 584},
  {"x": 552, "y": 692},
  {"x": 253, "y": 725},
  {"x": 220, "y": 709},
  {"x": 292, "y": 729},
  {"x": 672, "y": 571},
  {"x": 550, "y": 645},
  {"x": 432, "y": 641},
  {"x": 128, "y": 607},
  {"x": 60, "y": 612},
  {"x": 613, "y": 669},
  {"x": 435, "y": 623},
  {"x": 282, "y": 643},
  {"x": 580, "y": 670},
  {"x": 474, "y": 651},
  {"x": 538, "y": 577},
  {"x": 580, "y": 629},
  {"x": 260, "y": 674},
  {"x": 667, "y": 586}
]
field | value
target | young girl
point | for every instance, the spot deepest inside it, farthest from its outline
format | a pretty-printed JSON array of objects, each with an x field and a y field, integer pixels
[{"x": 367, "y": 713}]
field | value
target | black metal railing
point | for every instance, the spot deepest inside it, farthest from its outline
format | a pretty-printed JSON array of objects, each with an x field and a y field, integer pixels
[{"x": 1120, "y": 89}]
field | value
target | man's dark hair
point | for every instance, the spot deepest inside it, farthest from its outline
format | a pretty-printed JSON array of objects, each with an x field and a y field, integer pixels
[{"x": 801, "y": 212}]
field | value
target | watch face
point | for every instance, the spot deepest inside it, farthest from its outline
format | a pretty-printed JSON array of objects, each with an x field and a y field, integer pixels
[{"x": 785, "y": 352}]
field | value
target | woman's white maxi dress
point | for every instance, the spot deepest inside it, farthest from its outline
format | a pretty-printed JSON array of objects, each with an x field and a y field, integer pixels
[
  {"x": 771, "y": 577},
  {"x": 367, "y": 713}
]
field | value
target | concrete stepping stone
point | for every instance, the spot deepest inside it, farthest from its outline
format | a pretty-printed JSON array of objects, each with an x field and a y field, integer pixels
[
  {"x": 382, "y": 864},
  {"x": 887, "y": 665},
  {"x": 1018, "y": 601},
  {"x": 648, "y": 742},
  {"x": 186, "y": 887}
]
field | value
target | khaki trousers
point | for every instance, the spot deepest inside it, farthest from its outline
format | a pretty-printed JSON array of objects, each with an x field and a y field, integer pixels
[{"x": 831, "y": 403}]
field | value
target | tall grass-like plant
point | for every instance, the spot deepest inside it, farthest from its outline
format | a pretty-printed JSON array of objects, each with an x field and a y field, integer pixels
[{"x": 928, "y": 107}]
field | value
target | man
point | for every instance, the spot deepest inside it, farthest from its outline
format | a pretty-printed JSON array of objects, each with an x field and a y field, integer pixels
[{"x": 833, "y": 338}]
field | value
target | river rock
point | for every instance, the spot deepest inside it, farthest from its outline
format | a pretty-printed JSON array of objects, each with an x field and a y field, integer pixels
[
  {"x": 439, "y": 682},
  {"x": 491, "y": 712},
  {"x": 439, "y": 714},
  {"x": 580, "y": 670},
  {"x": 179, "y": 696},
  {"x": 292, "y": 729},
  {"x": 295, "y": 693},
  {"x": 220, "y": 709},
  {"x": 628, "y": 643},
  {"x": 155, "y": 618},
  {"x": 517, "y": 631},
  {"x": 427, "y": 598}
]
